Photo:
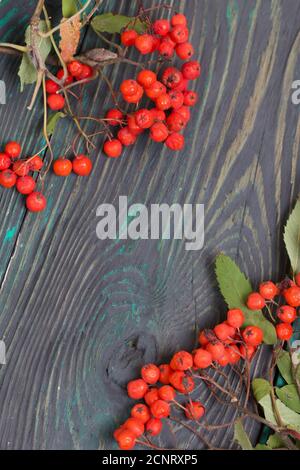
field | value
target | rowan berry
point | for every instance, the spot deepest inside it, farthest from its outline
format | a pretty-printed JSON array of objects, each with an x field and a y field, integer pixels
[
  {"x": 194, "y": 410},
  {"x": 21, "y": 168},
  {"x": 177, "y": 99},
  {"x": 159, "y": 132},
  {"x": 25, "y": 184},
  {"x": 287, "y": 314},
  {"x": 129, "y": 87},
  {"x": 135, "y": 425},
  {"x": 141, "y": 412},
  {"x": 163, "y": 102},
  {"x": 161, "y": 27},
  {"x": 223, "y": 360},
  {"x": 171, "y": 77},
  {"x": 126, "y": 137},
  {"x": 144, "y": 118},
  {"x": 82, "y": 165},
  {"x": 166, "y": 49},
  {"x": 182, "y": 382},
  {"x": 86, "y": 72},
  {"x": 56, "y": 102},
  {"x": 167, "y": 393},
  {"x": 181, "y": 360},
  {"x": 297, "y": 279},
  {"x": 216, "y": 349},
  {"x": 202, "y": 358},
  {"x": 35, "y": 163},
  {"x": 184, "y": 50},
  {"x": 8, "y": 178},
  {"x": 165, "y": 371},
  {"x": 144, "y": 43},
  {"x": 155, "y": 44},
  {"x": 128, "y": 37},
  {"x": 292, "y": 296},
  {"x": 182, "y": 86},
  {"x": 126, "y": 439},
  {"x": 179, "y": 19},
  {"x": 118, "y": 431},
  {"x": 154, "y": 426},
  {"x": 268, "y": 290},
  {"x": 204, "y": 337},
  {"x": 190, "y": 98},
  {"x": 132, "y": 125},
  {"x": 284, "y": 331},
  {"x": 75, "y": 68},
  {"x": 247, "y": 351},
  {"x": 36, "y": 202},
  {"x": 68, "y": 80},
  {"x": 114, "y": 117},
  {"x": 222, "y": 331},
  {"x": 146, "y": 78},
  {"x": 5, "y": 161},
  {"x": 175, "y": 122},
  {"x": 62, "y": 167},
  {"x": 233, "y": 353},
  {"x": 158, "y": 114},
  {"x": 51, "y": 86},
  {"x": 150, "y": 373},
  {"x": 134, "y": 99},
  {"x": 13, "y": 149},
  {"x": 235, "y": 317},
  {"x": 136, "y": 389},
  {"x": 160, "y": 409},
  {"x": 155, "y": 90},
  {"x": 191, "y": 70},
  {"x": 255, "y": 301},
  {"x": 113, "y": 148},
  {"x": 175, "y": 141},
  {"x": 253, "y": 335},
  {"x": 151, "y": 396},
  {"x": 179, "y": 34},
  {"x": 185, "y": 112}
]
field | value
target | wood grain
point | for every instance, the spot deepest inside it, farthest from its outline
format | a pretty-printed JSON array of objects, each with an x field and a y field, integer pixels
[{"x": 80, "y": 316}]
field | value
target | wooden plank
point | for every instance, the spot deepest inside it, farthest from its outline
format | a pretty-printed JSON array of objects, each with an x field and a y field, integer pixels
[{"x": 80, "y": 316}]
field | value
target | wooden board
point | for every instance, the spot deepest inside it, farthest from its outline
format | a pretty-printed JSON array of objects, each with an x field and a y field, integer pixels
[{"x": 79, "y": 316}]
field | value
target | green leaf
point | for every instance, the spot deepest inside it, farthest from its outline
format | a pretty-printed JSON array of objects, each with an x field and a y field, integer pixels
[
  {"x": 110, "y": 23},
  {"x": 27, "y": 71},
  {"x": 288, "y": 417},
  {"x": 289, "y": 396},
  {"x": 53, "y": 120},
  {"x": 69, "y": 8},
  {"x": 262, "y": 447},
  {"x": 275, "y": 442},
  {"x": 292, "y": 238},
  {"x": 241, "y": 436},
  {"x": 284, "y": 365},
  {"x": 261, "y": 388},
  {"x": 235, "y": 289}
]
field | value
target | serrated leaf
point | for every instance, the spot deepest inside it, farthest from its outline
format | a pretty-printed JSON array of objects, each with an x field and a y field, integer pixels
[
  {"x": 241, "y": 436},
  {"x": 289, "y": 396},
  {"x": 292, "y": 238},
  {"x": 284, "y": 365},
  {"x": 274, "y": 441},
  {"x": 69, "y": 8},
  {"x": 53, "y": 120},
  {"x": 110, "y": 23},
  {"x": 288, "y": 417},
  {"x": 27, "y": 71},
  {"x": 261, "y": 388},
  {"x": 235, "y": 288}
]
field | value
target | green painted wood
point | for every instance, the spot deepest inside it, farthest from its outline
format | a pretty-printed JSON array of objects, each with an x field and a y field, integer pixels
[{"x": 80, "y": 316}]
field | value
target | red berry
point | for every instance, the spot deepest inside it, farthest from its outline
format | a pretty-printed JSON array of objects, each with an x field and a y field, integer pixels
[
  {"x": 25, "y": 184},
  {"x": 203, "y": 337},
  {"x": 158, "y": 114},
  {"x": 216, "y": 349},
  {"x": 163, "y": 102},
  {"x": 128, "y": 37},
  {"x": 144, "y": 43},
  {"x": 222, "y": 331},
  {"x": 161, "y": 27},
  {"x": 181, "y": 360},
  {"x": 223, "y": 360},
  {"x": 171, "y": 77},
  {"x": 135, "y": 425},
  {"x": 112, "y": 148},
  {"x": 68, "y": 80},
  {"x": 146, "y": 78},
  {"x": 165, "y": 371},
  {"x": 159, "y": 132},
  {"x": 132, "y": 125},
  {"x": 182, "y": 382},
  {"x": 179, "y": 19},
  {"x": 247, "y": 351},
  {"x": 175, "y": 122},
  {"x": 144, "y": 118},
  {"x": 114, "y": 117},
  {"x": 268, "y": 290},
  {"x": 126, "y": 439},
  {"x": 5, "y": 161},
  {"x": 51, "y": 86},
  {"x": 255, "y": 301},
  {"x": 137, "y": 388},
  {"x": 191, "y": 70},
  {"x": 75, "y": 68},
  {"x": 21, "y": 168},
  {"x": 253, "y": 335},
  {"x": 86, "y": 72},
  {"x": 155, "y": 90},
  {"x": 56, "y": 102},
  {"x": 151, "y": 396},
  {"x": 202, "y": 358},
  {"x": 177, "y": 99},
  {"x": 13, "y": 149},
  {"x": 284, "y": 331},
  {"x": 190, "y": 98},
  {"x": 233, "y": 353},
  {"x": 134, "y": 99},
  {"x": 185, "y": 112},
  {"x": 179, "y": 34},
  {"x": 175, "y": 141},
  {"x": 166, "y": 49},
  {"x": 117, "y": 432},
  {"x": 297, "y": 279},
  {"x": 160, "y": 409},
  {"x": 36, "y": 202},
  {"x": 35, "y": 163},
  {"x": 292, "y": 296},
  {"x": 194, "y": 410},
  {"x": 141, "y": 412},
  {"x": 8, "y": 178},
  {"x": 182, "y": 86},
  {"x": 150, "y": 373},
  {"x": 167, "y": 393},
  {"x": 82, "y": 165},
  {"x": 129, "y": 87},
  {"x": 62, "y": 167},
  {"x": 126, "y": 137},
  {"x": 154, "y": 426},
  {"x": 155, "y": 44},
  {"x": 184, "y": 50},
  {"x": 235, "y": 317},
  {"x": 287, "y": 314}
]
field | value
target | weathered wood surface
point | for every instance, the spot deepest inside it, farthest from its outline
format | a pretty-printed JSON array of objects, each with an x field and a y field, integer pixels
[{"x": 80, "y": 316}]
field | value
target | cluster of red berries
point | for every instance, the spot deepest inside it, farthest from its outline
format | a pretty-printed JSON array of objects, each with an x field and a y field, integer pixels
[
  {"x": 287, "y": 294},
  {"x": 14, "y": 171},
  {"x": 76, "y": 71},
  {"x": 225, "y": 344}
]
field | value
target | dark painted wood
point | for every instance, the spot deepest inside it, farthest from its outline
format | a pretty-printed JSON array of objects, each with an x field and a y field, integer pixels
[{"x": 80, "y": 316}]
